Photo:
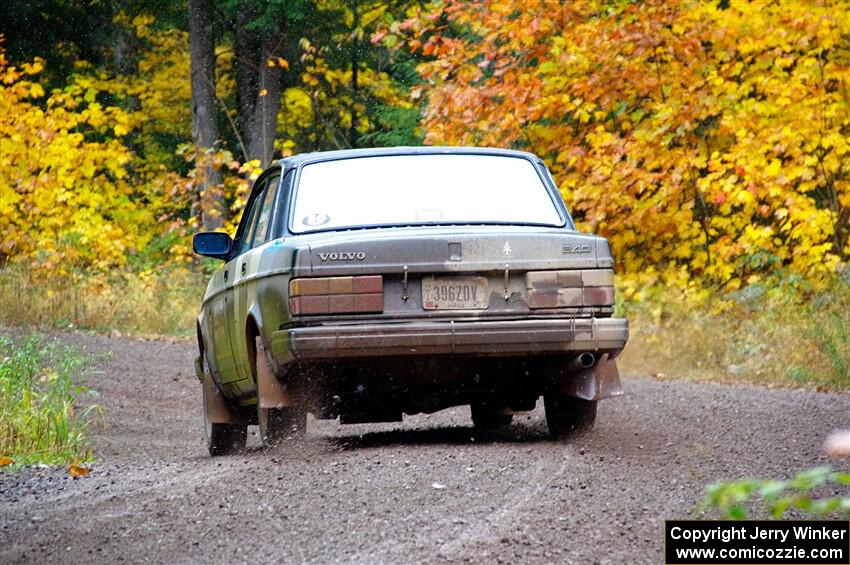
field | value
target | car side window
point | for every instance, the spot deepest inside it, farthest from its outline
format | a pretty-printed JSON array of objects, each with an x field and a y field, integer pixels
[
  {"x": 278, "y": 220},
  {"x": 245, "y": 244},
  {"x": 261, "y": 229},
  {"x": 251, "y": 214}
]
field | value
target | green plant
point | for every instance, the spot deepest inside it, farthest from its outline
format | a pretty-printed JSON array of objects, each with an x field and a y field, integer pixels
[
  {"x": 802, "y": 493},
  {"x": 39, "y": 386}
]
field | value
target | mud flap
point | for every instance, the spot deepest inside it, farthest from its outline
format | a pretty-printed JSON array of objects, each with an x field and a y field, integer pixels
[
  {"x": 600, "y": 381},
  {"x": 217, "y": 411},
  {"x": 270, "y": 392},
  {"x": 199, "y": 368}
]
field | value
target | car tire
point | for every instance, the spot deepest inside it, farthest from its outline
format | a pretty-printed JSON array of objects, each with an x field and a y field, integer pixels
[
  {"x": 277, "y": 424},
  {"x": 567, "y": 416},
  {"x": 486, "y": 417},
  {"x": 221, "y": 439}
]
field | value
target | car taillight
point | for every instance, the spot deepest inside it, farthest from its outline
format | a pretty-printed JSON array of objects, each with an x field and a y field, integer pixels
[
  {"x": 336, "y": 295},
  {"x": 574, "y": 288}
]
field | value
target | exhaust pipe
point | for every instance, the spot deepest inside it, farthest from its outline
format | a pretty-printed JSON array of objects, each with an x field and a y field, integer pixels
[{"x": 584, "y": 360}]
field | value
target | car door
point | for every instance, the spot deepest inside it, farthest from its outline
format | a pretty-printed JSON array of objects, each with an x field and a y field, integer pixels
[
  {"x": 245, "y": 270},
  {"x": 214, "y": 328},
  {"x": 228, "y": 357}
]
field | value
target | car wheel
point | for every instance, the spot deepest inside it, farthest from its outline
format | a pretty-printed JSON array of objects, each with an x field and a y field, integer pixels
[
  {"x": 277, "y": 424},
  {"x": 486, "y": 417},
  {"x": 222, "y": 439},
  {"x": 568, "y": 416}
]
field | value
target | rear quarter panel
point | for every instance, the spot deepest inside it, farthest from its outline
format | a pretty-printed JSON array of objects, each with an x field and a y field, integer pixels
[
  {"x": 267, "y": 290},
  {"x": 214, "y": 329}
]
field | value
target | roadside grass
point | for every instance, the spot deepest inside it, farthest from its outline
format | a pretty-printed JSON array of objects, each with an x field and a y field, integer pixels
[
  {"x": 165, "y": 302},
  {"x": 40, "y": 383},
  {"x": 775, "y": 337}
]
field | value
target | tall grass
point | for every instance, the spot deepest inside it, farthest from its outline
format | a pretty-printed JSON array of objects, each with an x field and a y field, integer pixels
[
  {"x": 769, "y": 336},
  {"x": 164, "y": 303},
  {"x": 39, "y": 384}
]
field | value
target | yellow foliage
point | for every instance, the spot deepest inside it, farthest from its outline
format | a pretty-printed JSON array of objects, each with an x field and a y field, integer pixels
[
  {"x": 65, "y": 195},
  {"x": 160, "y": 91},
  {"x": 88, "y": 185}
]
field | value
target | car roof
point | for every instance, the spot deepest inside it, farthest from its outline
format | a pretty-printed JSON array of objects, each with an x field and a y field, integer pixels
[{"x": 317, "y": 156}]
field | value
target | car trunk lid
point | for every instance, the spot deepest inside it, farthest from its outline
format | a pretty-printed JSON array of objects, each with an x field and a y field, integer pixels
[
  {"x": 460, "y": 273},
  {"x": 436, "y": 250}
]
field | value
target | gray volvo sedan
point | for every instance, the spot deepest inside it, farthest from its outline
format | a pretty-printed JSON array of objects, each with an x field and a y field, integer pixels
[{"x": 365, "y": 284}]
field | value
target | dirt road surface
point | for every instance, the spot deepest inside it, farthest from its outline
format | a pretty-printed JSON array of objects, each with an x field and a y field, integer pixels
[{"x": 427, "y": 490}]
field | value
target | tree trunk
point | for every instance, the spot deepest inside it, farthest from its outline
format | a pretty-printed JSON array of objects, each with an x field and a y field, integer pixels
[
  {"x": 259, "y": 82},
  {"x": 267, "y": 105},
  {"x": 246, "y": 46},
  {"x": 204, "y": 125}
]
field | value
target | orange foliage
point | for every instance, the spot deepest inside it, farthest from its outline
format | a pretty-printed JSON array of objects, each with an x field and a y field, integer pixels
[{"x": 710, "y": 145}]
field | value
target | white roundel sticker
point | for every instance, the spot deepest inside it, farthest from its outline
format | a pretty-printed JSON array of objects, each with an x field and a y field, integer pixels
[{"x": 316, "y": 220}]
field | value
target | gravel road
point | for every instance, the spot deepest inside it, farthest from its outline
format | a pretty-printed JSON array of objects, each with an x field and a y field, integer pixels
[{"x": 427, "y": 490}]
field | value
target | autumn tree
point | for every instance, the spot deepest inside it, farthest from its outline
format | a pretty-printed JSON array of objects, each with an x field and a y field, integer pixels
[
  {"x": 140, "y": 165},
  {"x": 65, "y": 199},
  {"x": 708, "y": 141},
  {"x": 354, "y": 91},
  {"x": 265, "y": 40}
]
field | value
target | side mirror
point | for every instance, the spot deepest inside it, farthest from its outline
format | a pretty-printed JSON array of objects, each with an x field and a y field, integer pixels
[{"x": 212, "y": 244}]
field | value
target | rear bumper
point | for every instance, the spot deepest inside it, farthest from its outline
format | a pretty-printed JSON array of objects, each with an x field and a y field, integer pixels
[{"x": 452, "y": 337}]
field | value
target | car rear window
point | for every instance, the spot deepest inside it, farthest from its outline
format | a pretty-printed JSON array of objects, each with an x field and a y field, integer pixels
[{"x": 421, "y": 189}]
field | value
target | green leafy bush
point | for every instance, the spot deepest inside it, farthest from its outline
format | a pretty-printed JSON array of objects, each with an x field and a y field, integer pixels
[
  {"x": 733, "y": 499},
  {"x": 39, "y": 384}
]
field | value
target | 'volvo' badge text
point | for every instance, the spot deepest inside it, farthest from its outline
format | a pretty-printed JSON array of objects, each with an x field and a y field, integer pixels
[{"x": 343, "y": 256}]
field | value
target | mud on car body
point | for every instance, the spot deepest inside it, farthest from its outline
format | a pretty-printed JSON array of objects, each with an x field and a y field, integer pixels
[{"x": 365, "y": 284}]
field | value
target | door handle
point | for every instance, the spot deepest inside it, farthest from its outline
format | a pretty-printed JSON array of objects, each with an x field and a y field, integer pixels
[
  {"x": 225, "y": 276},
  {"x": 244, "y": 268}
]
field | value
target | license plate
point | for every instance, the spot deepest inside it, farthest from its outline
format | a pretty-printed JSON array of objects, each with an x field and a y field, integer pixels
[{"x": 455, "y": 293}]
